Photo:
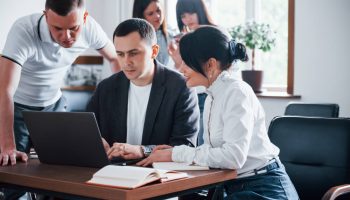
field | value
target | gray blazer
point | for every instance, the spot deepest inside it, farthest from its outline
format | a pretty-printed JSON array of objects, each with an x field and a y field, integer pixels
[{"x": 172, "y": 115}]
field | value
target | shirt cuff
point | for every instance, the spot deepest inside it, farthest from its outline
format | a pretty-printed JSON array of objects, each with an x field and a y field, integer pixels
[{"x": 183, "y": 153}]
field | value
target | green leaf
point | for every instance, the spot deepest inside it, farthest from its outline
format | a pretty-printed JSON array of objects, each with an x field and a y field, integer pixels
[{"x": 254, "y": 35}]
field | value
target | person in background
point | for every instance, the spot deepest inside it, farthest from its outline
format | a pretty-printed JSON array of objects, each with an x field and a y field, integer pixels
[
  {"x": 152, "y": 11},
  {"x": 190, "y": 15},
  {"x": 234, "y": 121},
  {"x": 146, "y": 104}
]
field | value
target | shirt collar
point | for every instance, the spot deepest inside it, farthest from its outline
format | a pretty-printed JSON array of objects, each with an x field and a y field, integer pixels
[
  {"x": 216, "y": 87},
  {"x": 43, "y": 30}
]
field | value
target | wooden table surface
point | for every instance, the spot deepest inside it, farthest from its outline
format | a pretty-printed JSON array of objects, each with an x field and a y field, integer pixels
[{"x": 70, "y": 180}]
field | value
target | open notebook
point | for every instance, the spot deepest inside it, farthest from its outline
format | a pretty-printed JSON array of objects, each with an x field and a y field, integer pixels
[{"x": 130, "y": 177}]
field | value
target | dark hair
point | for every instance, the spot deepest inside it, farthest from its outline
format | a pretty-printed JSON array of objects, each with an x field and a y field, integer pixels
[
  {"x": 193, "y": 6},
  {"x": 139, "y": 9},
  {"x": 143, "y": 27},
  {"x": 207, "y": 42},
  {"x": 63, "y": 7}
]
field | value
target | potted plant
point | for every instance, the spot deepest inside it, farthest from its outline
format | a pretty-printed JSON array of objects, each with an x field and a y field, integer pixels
[{"x": 254, "y": 36}]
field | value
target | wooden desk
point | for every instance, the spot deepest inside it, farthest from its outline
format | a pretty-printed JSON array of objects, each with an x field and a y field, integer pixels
[{"x": 70, "y": 181}]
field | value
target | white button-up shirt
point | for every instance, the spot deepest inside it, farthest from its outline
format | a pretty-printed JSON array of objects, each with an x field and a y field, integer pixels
[{"x": 235, "y": 134}]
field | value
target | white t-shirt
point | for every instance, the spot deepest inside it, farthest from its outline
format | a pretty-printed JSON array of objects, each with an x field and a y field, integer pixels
[
  {"x": 137, "y": 106},
  {"x": 235, "y": 135},
  {"x": 44, "y": 62}
]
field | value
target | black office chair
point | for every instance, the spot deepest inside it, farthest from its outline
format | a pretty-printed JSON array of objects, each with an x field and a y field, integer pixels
[
  {"x": 336, "y": 192},
  {"x": 1, "y": 194},
  {"x": 315, "y": 152},
  {"x": 313, "y": 109}
]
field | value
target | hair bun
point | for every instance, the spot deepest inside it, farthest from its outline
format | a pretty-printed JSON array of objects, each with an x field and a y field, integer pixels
[
  {"x": 240, "y": 52},
  {"x": 237, "y": 51},
  {"x": 232, "y": 48}
]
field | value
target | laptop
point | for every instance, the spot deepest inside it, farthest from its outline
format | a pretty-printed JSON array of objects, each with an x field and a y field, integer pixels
[{"x": 68, "y": 138}]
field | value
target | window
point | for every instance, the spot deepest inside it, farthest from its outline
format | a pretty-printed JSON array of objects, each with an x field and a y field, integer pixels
[
  {"x": 277, "y": 64},
  {"x": 274, "y": 64}
]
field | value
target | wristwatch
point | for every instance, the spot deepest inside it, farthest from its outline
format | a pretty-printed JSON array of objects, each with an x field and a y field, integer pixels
[{"x": 147, "y": 150}]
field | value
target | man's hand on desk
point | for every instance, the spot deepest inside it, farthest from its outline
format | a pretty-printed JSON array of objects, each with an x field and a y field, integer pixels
[
  {"x": 126, "y": 151},
  {"x": 9, "y": 156},
  {"x": 161, "y": 153}
]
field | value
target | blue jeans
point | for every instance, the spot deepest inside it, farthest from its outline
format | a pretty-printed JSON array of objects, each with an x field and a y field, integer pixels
[
  {"x": 274, "y": 184},
  {"x": 23, "y": 142},
  {"x": 201, "y": 100}
]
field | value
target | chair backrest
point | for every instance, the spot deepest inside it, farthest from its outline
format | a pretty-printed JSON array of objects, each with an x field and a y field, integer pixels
[
  {"x": 313, "y": 109},
  {"x": 77, "y": 100},
  {"x": 315, "y": 152}
]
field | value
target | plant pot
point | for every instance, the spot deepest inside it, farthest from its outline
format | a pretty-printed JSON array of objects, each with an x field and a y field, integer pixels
[{"x": 253, "y": 78}]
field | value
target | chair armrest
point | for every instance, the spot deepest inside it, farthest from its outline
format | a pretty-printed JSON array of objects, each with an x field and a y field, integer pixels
[{"x": 336, "y": 191}]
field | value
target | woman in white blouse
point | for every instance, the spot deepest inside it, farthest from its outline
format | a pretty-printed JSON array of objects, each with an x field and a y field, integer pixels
[{"x": 234, "y": 121}]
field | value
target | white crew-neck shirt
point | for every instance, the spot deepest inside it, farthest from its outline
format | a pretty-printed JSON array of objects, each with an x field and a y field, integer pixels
[{"x": 137, "y": 107}]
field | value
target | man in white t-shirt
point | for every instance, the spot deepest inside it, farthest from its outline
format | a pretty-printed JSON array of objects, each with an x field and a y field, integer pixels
[
  {"x": 146, "y": 104},
  {"x": 38, "y": 51}
]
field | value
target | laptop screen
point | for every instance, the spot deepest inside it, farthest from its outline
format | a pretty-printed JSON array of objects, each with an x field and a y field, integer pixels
[{"x": 66, "y": 138}]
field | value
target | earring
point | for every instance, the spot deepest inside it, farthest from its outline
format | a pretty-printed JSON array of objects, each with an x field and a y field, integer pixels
[
  {"x": 85, "y": 16},
  {"x": 210, "y": 76}
]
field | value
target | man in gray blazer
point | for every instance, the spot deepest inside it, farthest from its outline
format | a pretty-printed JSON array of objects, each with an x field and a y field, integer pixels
[{"x": 146, "y": 104}]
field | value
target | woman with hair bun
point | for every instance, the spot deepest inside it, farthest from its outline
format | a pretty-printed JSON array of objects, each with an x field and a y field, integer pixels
[{"x": 235, "y": 135}]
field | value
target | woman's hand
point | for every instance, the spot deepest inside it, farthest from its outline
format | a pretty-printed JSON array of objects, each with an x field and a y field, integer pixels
[
  {"x": 174, "y": 52},
  {"x": 162, "y": 147},
  {"x": 157, "y": 156}
]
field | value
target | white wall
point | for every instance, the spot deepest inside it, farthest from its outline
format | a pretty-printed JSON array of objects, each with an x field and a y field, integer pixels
[
  {"x": 109, "y": 13},
  {"x": 11, "y": 10},
  {"x": 322, "y": 67},
  {"x": 322, "y": 51}
]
